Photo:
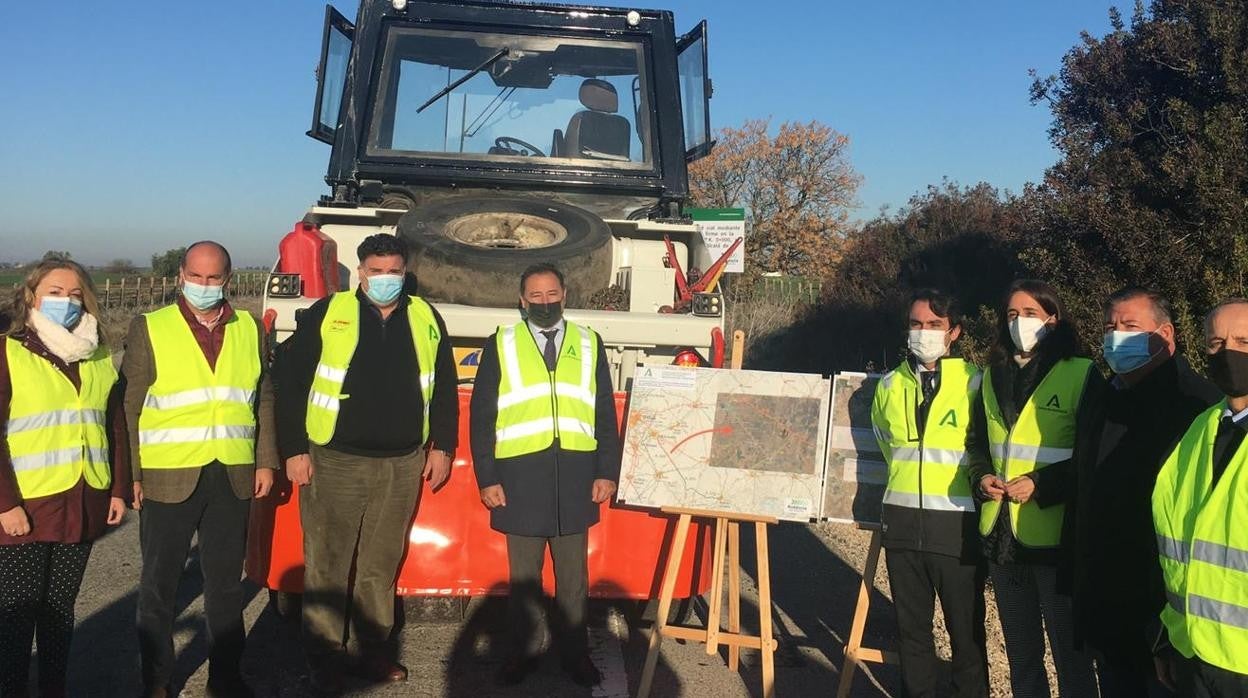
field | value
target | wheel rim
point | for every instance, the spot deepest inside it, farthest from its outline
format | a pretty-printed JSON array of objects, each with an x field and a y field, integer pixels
[{"x": 506, "y": 231}]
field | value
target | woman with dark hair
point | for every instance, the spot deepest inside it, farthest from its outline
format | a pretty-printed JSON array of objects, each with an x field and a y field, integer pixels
[
  {"x": 1021, "y": 447},
  {"x": 63, "y": 471}
]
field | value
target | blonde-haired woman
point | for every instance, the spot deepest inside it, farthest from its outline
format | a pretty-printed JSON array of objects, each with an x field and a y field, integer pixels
[{"x": 63, "y": 469}]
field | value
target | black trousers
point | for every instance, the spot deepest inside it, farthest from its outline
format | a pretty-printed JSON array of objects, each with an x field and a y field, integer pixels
[
  {"x": 1197, "y": 679},
  {"x": 1129, "y": 674},
  {"x": 1031, "y": 608},
  {"x": 165, "y": 531},
  {"x": 916, "y": 579},
  {"x": 38, "y": 587},
  {"x": 525, "y": 556}
]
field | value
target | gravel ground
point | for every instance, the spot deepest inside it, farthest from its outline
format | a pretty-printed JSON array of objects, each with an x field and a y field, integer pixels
[
  {"x": 851, "y": 546},
  {"x": 814, "y": 588}
]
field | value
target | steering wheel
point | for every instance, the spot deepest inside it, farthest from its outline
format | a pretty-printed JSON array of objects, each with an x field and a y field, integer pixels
[{"x": 504, "y": 141}]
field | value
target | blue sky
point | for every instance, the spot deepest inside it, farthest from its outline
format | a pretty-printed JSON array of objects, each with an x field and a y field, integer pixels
[{"x": 132, "y": 127}]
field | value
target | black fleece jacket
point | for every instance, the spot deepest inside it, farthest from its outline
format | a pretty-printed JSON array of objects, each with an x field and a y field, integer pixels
[{"x": 384, "y": 416}]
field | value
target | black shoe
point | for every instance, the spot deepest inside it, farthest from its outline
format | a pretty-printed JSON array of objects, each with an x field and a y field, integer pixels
[
  {"x": 516, "y": 670},
  {"x": 327, "y": 680},
  {"x": 582, "y": 671},
  {"x": 231, "y": 687}
]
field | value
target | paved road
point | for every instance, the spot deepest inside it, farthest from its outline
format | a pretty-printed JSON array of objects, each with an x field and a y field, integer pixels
[{"x": 813, "y": 594}]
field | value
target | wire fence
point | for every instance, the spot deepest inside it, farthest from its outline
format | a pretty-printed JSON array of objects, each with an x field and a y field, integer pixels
[
  {"x": 146, "y": 292},
  {"x": 792, "y": 288}
]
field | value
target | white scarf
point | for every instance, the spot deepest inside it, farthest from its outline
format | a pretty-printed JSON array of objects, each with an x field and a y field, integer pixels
[{"x": 69, "y": 346}]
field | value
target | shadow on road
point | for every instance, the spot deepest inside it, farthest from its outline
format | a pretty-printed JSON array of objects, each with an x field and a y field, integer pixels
[
  {"x": 817, "y": 591},
  {"x": 104, "y": 660}
]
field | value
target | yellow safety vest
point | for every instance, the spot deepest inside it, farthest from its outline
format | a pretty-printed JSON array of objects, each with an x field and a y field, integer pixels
[
  {"x": 57, "y": 435},
  {"x": 340, "y": 334},
  {"x": 926, "y": 470},
  {"x": 1202, "y": 540},
  {"x": 1044, "y": 434},
  {"x": 194, "y": 415},
  {"x": 536, "y": 406}
]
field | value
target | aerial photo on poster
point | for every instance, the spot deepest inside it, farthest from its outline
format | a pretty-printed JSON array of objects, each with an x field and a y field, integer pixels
[{"x": 750, "y": 442}]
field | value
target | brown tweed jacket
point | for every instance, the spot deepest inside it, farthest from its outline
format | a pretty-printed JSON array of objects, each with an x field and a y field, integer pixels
[{"x": 138, "y": 366}]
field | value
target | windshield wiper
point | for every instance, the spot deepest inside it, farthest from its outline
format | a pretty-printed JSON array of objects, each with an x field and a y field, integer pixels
[{"x": 468, "y": 76}]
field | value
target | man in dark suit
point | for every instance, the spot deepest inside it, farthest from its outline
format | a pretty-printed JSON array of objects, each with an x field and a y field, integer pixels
[
  {"x": 1153, "y": 397},
  {"x": 546, "y": 450}
]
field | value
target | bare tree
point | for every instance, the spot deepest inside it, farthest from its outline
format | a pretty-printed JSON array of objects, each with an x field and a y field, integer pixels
[{"x": 797, "y": 187}]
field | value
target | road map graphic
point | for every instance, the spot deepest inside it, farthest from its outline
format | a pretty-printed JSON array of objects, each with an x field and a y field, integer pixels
[{"x": 749, "y": 442}]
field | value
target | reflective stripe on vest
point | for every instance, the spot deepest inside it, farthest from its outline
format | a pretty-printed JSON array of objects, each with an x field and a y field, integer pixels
[
  {"x": 340, "y": 334},
  {"x": 193, "y": 414},
  {"x": 56, "y": 435},
  {"x": 536, "y": 405},
  {"x": 926, "y": 470},
  {"x": 1202, "y": 545},
  {"x": 1043, "y": 434}
]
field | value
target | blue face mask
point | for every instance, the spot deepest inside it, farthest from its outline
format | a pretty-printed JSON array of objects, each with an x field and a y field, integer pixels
[
  {"x": 383, "y": 289},
  {"x": 62, "y": 310},
  {"x": 202, "y": 297},
  {"x": 1126, "y": 351}
]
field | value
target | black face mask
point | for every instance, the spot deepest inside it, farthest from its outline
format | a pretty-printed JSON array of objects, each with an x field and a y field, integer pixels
[
  {"x": 1228, "y": 370},
  {"x": 545, "y": 314}
]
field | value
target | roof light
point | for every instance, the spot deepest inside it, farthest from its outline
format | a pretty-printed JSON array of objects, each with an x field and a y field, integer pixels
[
  {"x": 688, "y": 358},
  {"x": 399, "y": 5},
  {"x": 634, "y": 18}
]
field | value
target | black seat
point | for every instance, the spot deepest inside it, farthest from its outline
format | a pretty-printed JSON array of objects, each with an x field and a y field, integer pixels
[{"x": 598, "y": 132}]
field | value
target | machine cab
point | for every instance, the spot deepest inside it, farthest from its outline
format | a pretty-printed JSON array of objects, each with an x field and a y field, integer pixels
[{"x": 518, "y": 96}]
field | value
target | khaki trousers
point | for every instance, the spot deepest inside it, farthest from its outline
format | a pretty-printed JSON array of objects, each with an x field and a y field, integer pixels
[{"x": 356, "y": 508}]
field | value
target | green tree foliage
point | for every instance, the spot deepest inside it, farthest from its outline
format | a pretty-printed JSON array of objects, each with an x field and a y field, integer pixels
[
  {"x": 54, "y": 254},
  {"x": 1152, "y": 185},
  {"x": 168, "y": 263},
  {"x": 120, "y": 266},
  {"x": 962, "y": 239},
  {"x": 1150, "y": 188}
]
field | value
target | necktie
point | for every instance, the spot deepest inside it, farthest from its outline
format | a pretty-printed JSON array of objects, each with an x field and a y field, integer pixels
[
  {"x": 1230, "y": 435},
  {"x": 551, "y": 354},
  {"x": 929, "y": 385}
]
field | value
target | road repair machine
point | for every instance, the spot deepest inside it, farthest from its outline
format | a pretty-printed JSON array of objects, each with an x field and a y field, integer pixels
[{"x": 491, "y": 136}]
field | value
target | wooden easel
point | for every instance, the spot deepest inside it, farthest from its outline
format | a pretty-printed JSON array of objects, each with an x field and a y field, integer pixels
[
  {"x": 726, "y": 557},
  {"x": 855, "y": 653}
]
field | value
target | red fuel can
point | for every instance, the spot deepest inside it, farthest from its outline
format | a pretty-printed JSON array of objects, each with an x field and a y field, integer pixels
[{"x": 312, "y": 255}]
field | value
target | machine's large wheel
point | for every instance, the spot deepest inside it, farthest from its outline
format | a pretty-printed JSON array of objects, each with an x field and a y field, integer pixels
[{"x": 471, "y": 250}]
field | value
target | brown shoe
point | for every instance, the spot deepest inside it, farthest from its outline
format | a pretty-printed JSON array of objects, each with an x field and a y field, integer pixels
[
  {"x": 159, "y": 692},
  {"x": 379, "y": 670}
]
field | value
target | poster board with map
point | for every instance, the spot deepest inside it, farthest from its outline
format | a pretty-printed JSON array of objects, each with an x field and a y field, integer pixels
[
  {"x": 856, "y": 472},
  {"x": 749, "y": 442}
]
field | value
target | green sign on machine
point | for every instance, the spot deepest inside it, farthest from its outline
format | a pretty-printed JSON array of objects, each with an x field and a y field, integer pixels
[{"x": 720, "y": 227}]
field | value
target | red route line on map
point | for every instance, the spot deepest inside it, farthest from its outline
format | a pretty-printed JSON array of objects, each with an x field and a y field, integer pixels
[{"x": 720, "y": 430}]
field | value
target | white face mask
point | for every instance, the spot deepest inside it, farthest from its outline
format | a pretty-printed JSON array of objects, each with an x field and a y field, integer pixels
[
  {"x": 1027, "y": 332},
  {"x": 927, "y": 345}
]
